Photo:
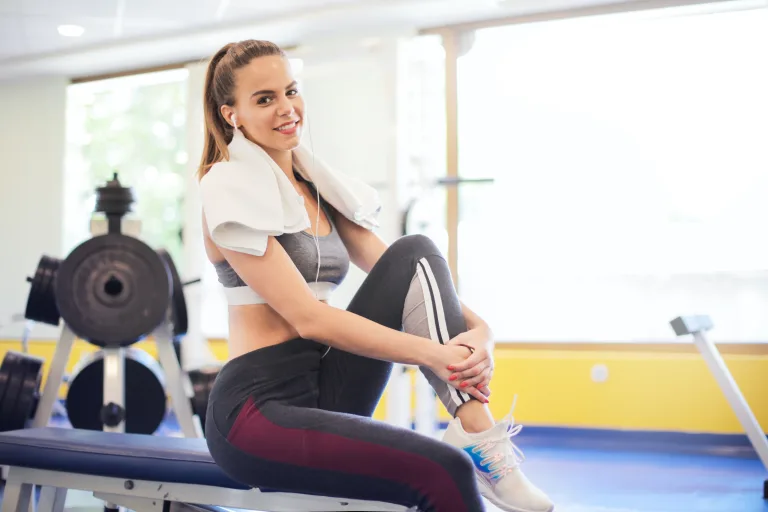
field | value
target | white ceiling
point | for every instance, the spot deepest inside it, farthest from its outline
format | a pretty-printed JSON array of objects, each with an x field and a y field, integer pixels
[{"x": 129, "y": 34}]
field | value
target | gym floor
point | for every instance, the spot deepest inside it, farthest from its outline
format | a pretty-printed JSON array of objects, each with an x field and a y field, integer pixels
[{"x": 584, "y": 478}]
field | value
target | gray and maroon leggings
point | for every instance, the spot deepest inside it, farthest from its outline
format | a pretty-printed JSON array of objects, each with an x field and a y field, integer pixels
[{"x": 296, "y": 417}]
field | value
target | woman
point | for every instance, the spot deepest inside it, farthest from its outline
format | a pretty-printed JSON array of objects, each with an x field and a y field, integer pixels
[{"x": 291, "y": 410}]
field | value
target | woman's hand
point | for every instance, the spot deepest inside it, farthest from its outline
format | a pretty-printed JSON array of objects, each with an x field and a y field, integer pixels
[
  {"x": 445, "y": 356},
  {"x": 477, "y": 369}
]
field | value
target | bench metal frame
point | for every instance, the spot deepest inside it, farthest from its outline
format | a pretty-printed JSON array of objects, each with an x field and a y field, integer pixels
[{"x": 156, "y": 496}]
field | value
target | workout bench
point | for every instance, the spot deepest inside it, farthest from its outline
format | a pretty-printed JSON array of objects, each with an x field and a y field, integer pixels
[{"x": 139, "y": 472}]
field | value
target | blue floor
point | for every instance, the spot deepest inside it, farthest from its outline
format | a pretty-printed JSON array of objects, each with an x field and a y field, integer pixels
[
  {"x": 587, "y": 480},
  {"x": 588, "y": 471}
]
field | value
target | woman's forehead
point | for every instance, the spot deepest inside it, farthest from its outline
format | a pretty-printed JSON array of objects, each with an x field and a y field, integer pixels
[{"x": 272, "y": 72}]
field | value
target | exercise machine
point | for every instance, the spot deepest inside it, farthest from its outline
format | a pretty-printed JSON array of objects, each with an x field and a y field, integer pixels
[{"x": 697, "y": 326}]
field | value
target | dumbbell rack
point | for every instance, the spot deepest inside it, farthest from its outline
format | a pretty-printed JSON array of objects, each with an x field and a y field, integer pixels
[{"x": 178, "y": 385}]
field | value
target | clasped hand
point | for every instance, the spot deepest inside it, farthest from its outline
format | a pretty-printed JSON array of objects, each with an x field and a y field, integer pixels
[{"x": 466, "y": 363}]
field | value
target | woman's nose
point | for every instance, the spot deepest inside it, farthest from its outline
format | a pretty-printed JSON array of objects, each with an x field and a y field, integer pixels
[{"x": 285, "y": 106}]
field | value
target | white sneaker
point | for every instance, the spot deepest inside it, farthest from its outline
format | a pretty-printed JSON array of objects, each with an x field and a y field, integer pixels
[{"x": 497, "y": 466}]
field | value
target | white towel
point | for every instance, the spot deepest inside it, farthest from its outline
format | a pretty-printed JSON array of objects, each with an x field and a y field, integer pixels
[{"x": 249, "y": 198}]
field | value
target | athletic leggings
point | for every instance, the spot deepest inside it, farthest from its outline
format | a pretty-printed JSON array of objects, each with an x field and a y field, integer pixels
[{"x": 296, "y": 417}]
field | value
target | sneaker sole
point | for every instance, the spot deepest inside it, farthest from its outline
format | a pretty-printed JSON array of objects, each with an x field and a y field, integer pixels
[{"x": 488, "y": 494}]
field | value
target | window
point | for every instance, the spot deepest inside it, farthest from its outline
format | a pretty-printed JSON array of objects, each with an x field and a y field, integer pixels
[
  {"x": 630, "y": 165},
  {"x": 421, "y": 137},
  {"x": 135, "y": 126}
]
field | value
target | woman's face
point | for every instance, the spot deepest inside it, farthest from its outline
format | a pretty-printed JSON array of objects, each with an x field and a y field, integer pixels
[{"x": 268, "y": 106}]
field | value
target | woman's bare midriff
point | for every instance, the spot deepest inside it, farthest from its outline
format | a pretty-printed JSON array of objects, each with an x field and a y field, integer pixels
[
  {"x": 251, "y": 326},
  {"x": 255, "y": 326}
]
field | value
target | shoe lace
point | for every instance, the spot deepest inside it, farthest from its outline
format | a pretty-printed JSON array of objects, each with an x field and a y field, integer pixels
[{"x": 503, "y": 461}]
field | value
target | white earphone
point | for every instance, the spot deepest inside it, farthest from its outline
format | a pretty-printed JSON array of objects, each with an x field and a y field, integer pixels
[{"x": 317, "y": 220}]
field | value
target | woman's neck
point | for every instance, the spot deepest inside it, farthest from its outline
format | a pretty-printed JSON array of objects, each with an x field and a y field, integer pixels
[{"x": 284, "y": 160}]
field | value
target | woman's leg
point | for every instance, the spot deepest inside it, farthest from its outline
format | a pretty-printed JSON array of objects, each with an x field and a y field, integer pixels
[
  {"x": 410, "y": 288},
  {"x": 297, "y": 448}
]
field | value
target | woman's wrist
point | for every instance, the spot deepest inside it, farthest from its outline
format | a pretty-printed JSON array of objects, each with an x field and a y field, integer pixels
[
  {"x": 429, "y": 354},
  {"x": 484, "y": 328}
]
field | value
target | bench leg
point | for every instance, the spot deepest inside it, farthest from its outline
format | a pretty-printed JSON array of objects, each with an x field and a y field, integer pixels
[
  {"x": 136, "y": 503},
  {"x": 16, "y": 496},
  {"x": 52, "y": 499}
]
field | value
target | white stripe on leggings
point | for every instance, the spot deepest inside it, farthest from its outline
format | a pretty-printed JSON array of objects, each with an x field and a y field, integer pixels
[{"x": 428, "y": 278}]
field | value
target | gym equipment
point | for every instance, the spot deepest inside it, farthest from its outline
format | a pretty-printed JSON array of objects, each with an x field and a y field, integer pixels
[
  {"x": 114, "y": 200},
  {"x": 41, "y": 301},
  {"x": 447, "y": 182},
  {"x": 112, "y": 291},
  {"x": 112, "y": 361},
  {"x": 144, "y": 394},
  {"x": 178, "y": 302},
  {"x": 143, "y": 473},
  {"x": 202, "y": 381},
  {"x": 696, "y": 326},
  {"x": 20, "y": 376}
]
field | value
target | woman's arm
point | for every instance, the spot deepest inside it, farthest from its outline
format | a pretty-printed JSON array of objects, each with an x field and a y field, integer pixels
[{"x": 276, "y": 279}]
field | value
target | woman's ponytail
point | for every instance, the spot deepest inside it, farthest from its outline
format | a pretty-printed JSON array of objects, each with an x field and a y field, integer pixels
[{"x": 219, "y": 90}]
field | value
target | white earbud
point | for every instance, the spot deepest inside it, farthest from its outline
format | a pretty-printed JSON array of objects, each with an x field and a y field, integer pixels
[{"x": 234, "y": 121}]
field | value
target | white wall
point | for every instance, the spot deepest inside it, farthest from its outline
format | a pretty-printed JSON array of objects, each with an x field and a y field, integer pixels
[{"x": 31, "y": 184}]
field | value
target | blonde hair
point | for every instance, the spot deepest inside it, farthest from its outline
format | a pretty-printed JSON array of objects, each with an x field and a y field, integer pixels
[{"x": 219, "y": 90}]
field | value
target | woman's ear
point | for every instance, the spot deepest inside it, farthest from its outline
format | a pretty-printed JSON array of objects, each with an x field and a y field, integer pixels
[{"x": 228, "y": 113}]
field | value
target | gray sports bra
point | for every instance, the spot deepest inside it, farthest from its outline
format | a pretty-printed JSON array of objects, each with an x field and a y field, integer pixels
[{"x": 301, "y": 248}]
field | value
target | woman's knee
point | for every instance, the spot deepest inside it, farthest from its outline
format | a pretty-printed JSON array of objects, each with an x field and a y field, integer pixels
[{"x": 417, "y": 245}]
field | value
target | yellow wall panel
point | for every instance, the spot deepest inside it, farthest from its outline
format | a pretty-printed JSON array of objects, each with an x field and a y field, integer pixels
[{"x": 644, "y": 389}]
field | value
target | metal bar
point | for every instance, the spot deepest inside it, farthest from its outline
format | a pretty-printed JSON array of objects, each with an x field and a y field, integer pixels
[
  {"x": 733, "y": 394},
  {"x": 55, "y": 376},
  {"x": 177, "y": 382},
  {"x": 450, "y": 43},
  {"x": 114, "y": 383},
  {"x": 52, "y": 499}
]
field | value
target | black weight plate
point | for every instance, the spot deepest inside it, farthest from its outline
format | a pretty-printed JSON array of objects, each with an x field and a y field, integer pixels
[
  {"x": 113, "y": 290},
  {"x": 145, "y": 402},
  {"x": 202, "y": 383},
  {"x": 8, "y": 369},
  {"x": 19, "y": 384},
  {"x": 9, "y": 363},
  {"x": 8, "y": 419},
  {"x": 178, "y": 302},
  {"x": 30, "y": 389},
  {"x": 41, "y": 301}
]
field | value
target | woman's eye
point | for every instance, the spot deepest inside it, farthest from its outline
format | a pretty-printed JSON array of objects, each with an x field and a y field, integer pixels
[
  {"x": 264, "y": 100},
  {"x": 293, "y": 92}
]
